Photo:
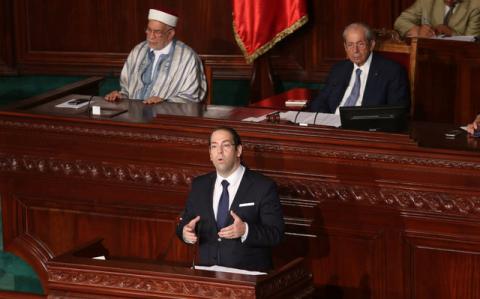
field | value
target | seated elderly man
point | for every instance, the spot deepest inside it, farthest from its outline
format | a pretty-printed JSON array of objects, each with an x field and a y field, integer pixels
[
  {"x": 364, "y": 79},
  {"x": 161, "y": 68}
]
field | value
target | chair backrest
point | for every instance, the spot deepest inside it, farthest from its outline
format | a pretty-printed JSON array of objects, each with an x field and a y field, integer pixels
[
  {"x": 207, "y": 68},
  {"x": 402, "y": 52}
]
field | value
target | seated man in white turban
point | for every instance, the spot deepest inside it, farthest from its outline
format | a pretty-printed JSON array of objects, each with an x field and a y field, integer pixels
[{"x": 161, "y": 68}]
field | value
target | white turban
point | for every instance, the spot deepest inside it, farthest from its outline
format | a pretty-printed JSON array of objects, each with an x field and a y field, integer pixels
[{"x": 163, "y": 17}]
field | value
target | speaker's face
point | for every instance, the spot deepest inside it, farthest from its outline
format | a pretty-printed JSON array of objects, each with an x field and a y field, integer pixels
[{"x": 224, "y": 153}]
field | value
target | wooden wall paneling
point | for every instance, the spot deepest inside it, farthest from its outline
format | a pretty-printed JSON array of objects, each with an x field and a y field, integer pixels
[
  {"x": 94, "y": 37},
  {"x": 435, "y": 260},
  {"x": 7, "y": 48}
]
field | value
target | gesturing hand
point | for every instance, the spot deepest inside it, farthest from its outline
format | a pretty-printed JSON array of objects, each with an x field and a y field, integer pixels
[
  {"x": 188, "y": 232},
  {"x": 236, "y": 230}
]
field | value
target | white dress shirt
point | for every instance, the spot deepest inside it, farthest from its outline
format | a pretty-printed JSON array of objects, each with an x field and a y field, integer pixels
[
  {"x": 363, "y": 81},
  {"x": 157, "y": 53},
  {"x": 234, "y": 182}
]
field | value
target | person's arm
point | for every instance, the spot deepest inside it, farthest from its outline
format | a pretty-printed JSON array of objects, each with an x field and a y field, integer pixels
[
  {"x": 188, "y": 215},
  {"x": 410, "y": 20},
  {"x": 399, "y": 88},
  {"x": 475, "y": 125},
  {"x": 193, "y": 87},
  {"x": 269, "y": 230},
  {"x": 473, "y": 23}
]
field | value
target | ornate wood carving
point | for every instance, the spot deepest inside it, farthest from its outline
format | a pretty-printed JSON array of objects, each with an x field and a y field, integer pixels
[
  {"x": 166, "y": 176},
  {"x": 257, "y": 146},
  {"x": 151, "y": 285}
]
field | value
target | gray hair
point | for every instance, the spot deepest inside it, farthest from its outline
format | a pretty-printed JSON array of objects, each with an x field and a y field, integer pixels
[{"x": 368, "y": 31}]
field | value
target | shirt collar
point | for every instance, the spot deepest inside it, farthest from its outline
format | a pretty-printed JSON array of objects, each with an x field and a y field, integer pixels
[
  {"x": 164, "y": 50},
  {"x": 366, "y": 65},
  {"x": 234, "y": 177}
]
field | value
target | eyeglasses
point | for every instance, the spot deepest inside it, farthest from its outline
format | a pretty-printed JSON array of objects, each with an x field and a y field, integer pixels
[
  {"x": 156, "y": 32},
  {"x": 361, "y": 45},
  {"x": 226, "y": 146}
]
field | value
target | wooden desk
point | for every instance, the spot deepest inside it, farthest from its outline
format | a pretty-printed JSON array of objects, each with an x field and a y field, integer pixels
[
  {"x": 277, "y": 102},
  {"x": 374, "y": 214}
]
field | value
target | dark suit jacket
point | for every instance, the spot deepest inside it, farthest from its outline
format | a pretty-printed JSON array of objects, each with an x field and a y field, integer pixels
[
  {"x": 387, "y": 84},
  {"x": 264, "y": 218}
]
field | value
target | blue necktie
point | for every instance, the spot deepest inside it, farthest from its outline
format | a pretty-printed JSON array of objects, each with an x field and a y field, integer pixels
[
  {"x": 222, "y": 212},
  {"x": 147, "y": 75},
  {"x": 353, "y": 97}
]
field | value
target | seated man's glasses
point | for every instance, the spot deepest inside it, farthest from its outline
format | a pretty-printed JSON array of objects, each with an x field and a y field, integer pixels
[
  {"x": 361, "y": 45},
  {"x": 156, "y": 32}
]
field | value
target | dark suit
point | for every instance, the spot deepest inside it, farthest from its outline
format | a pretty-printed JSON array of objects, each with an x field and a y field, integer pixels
[
  {"x": 264, "y": 218},
  {"x": 387, "y": 84}
]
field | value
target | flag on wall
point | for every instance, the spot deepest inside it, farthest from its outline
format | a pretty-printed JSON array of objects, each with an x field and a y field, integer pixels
[{"x": 259, "y": 24}]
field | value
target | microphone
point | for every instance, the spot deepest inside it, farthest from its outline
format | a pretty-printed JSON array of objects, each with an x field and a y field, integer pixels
[
  {"x": 195, "y": 246},
  {"x": 296, "y": 115},
  {"x": 164, "y": 254},
  {"x": 315, "y": 119},
  {"x": 89, "y": 108}
]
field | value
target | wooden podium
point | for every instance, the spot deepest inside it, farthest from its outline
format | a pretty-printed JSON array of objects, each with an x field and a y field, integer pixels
[{"x": 75, "y": 274}]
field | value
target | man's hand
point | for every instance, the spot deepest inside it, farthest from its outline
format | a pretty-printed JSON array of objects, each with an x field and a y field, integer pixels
[
  {"x": 474, "y": 126},
  {"x": 443, "y": 29},
  {"x": 113, "y": 96},
  {"x": 426, "y": 31},
  {"x": 153, "y": 100},
  {"x": 236, "y": 230},
  {"x": 413, "y": 32},
  {"x": 188, "y": 232}
]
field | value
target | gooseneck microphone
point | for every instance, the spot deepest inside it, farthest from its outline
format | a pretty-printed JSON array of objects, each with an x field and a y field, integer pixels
[
  {"x": 296, "y": 116},
  {"x": 89, "y": 108},
  {"x": 198, "y": 229},
  {"x": 163, "y": 255}
]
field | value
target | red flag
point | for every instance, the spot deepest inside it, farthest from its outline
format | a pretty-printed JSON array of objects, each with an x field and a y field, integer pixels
[{"x": 259, "y": 24}]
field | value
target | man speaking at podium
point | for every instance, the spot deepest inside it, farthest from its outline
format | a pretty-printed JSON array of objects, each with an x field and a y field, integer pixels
[
  {"x": 161, "y": 68},
  {"x": 234, "y": 214}
]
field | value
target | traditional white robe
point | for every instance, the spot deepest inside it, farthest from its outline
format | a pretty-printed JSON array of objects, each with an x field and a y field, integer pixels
[{"x": 178, "y": 78}]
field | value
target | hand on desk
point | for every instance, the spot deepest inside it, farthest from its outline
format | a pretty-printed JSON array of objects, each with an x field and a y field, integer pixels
[
  {"x": 421, "y": 31},
  {"x": 443, "y": 30},
  {"x": 113, "y": 96},
  {"x": 188, "y": 233},
  {"x": 236, "y": 230},
  {"x": 475, "y": 125},
  {"x": 153, "y": 100}
]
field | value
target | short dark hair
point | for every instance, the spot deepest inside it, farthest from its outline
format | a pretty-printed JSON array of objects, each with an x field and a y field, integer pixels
[{"x": 235, "y": 137}]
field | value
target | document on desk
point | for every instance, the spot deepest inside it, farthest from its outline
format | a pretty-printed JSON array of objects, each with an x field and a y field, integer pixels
[
  {"x": 74, "y": 103},
  {"x": 311, "y": 118},
  {"x": 460, "y": 38},
  {"x": 228, "y": 270}
]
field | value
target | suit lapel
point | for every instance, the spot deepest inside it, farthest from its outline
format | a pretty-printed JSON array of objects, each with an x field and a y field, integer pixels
[
  {"x": 459, "y": 14},
  {"x": 211, "y": 186},
  {"x": 242, "y": 191},
  {"x": 371, "y": 81},
  {"x": 342, "y": 83}
]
